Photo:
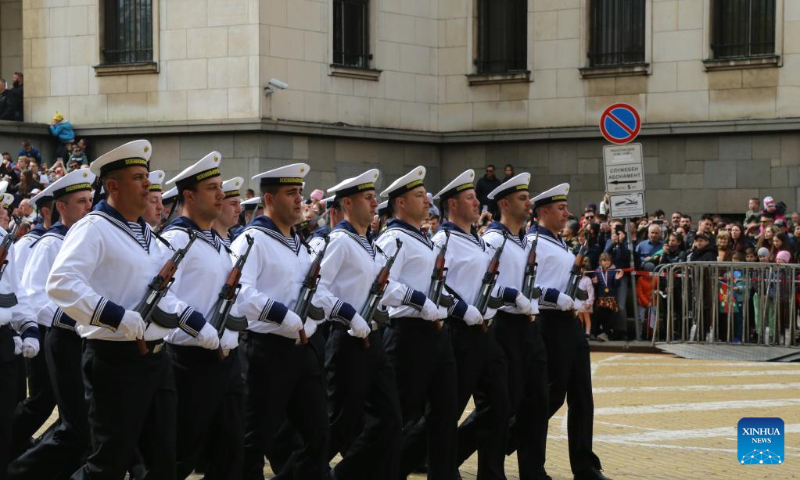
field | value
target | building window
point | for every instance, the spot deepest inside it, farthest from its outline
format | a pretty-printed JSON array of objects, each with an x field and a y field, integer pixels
[
  {"x": 351, "y": 33},
  {"x": 617, "y": 29},
  {"x": 127, "y": 32},
  {"x": 743, "y": 29},
  {"x": 502, "y": 36}
]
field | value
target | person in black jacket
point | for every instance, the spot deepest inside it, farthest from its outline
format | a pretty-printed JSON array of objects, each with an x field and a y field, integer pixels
[
  {"x": 485, "y": 185},
  {"x": 702, "y": 249},
  {"x": 10, "y": 103}
]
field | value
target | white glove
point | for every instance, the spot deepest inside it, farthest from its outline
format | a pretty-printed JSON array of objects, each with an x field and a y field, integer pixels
[
  {"x": 132, "y": 325},
  {"x": 565, "y": 302},
  {"x": 291, "y": 323},
  {"x": 309, "y": 327},
  {"x": 472, "y": 316},
  {"x": 523, "y": 304},
  {"x": 30, "y": 347},
  {"x": 208, "y": 337},
  {"x": 17, "y": 345},
  {"x": 430, "y": 311},
  {"x": 358, "y": 327},
  {"x": 229, "y": 340}
]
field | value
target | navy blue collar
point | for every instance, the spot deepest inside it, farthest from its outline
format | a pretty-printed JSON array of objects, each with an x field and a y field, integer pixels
[
  {"x": 364, "y": 241},
  {"x": 38, "y": 230},
  {"x": 58, "y": 228},
  {"x": 186, "y": 223},
  {"x": 518, "y": 238},
  {"x": 472, "y": 235},
  {"x": 397, "y": 224},
  {"x": 321, "y": 232},
  {"x": 551, "y": 237},
  {"x": 104, "y": 210},
  {"x": 103, "y": 206},
  {"x": 266, "y": 225}
]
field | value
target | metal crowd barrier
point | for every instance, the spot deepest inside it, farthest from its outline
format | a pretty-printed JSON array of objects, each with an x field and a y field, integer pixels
[{"x": 726, "y": 303}]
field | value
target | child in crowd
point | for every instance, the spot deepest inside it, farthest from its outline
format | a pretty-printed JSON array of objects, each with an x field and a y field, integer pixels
[
  {"x": 585, "y": 311},
  {"x": 606, "y": 282},
  {"x": 644, "y": 295},
  {"x": 753, "y": 214}
]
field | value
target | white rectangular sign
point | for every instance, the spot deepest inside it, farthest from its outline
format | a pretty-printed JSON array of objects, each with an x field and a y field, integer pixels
[
  {"x": 624, "y": 171},
  {"x": 628, "y": 205}
]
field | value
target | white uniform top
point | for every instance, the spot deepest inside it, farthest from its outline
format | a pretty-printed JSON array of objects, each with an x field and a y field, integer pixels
[
  {"x": 411, "y": 271},
  {"x": 43, "y": 254},
  {"x": 512, "y": 264},
  {"x": 555, "y": 263},
  {"x": 201, "y": 274},
  {"x": 102, "y": 270},
  {"x": 347, "y": 273},
  {"x": 22, "y": 247},
  {"x": 272, "y": 277},
  {"x": 19, "y": 316},
  {"x": 466, "y": 259}
]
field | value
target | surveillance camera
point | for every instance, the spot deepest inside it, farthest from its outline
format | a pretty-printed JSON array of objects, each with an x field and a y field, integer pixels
[{"x": 278, "y": 84}]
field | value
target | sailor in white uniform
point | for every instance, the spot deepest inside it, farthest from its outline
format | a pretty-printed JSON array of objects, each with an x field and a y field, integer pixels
[
  {"x": 19, "y": 335},
  {"x": 210, "y": 388},
  {"x": 155, "y": 207},
  {"x": 517, "y": 334},
  {"x": 569, "y": 371},
  {"x": 231, "y": 208},
  {"x": 418, "y": 350},
  {"x": 364, "y": 408},
  {"x": 100, "y": 275},
  {"x": 480, "y": 361},
  {"x": 38, "y": 400},
  {"x": 63, "y": 449},
  {"x": 284, "y": 379}
]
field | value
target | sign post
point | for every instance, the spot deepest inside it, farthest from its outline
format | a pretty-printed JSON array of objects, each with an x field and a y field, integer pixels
[{"x": 620, "y": 124}]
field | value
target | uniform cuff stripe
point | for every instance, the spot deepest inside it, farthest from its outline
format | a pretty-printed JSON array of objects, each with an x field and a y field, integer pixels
[
  {"x": 192, "y": 321},
  {"x": 343, "y": 311},
  {"x": 107, "y": 314},
  {"x": 274, "y": 312}
]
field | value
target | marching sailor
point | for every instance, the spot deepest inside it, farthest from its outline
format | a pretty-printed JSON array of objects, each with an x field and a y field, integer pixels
[
  {"x": 517, "y": 335},
  {"x": 231, "y": 208},
  {"x": 43, "y": 201},
  {"x": 99, "y": 277},
  {"x": 63, "y": 449},
  {"x": 418, "y": 350},
  {"x": 284, "y": 380},
  {"x": 568, "y": 368},
  {"x": 364, "y": 408},
  {"x": 155, "y": 207},
  {"x": 210, "y": 388}
]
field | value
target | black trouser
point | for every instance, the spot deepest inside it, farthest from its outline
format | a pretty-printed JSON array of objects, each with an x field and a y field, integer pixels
[
  {"x": 482, "y": 373},
  {"x": 284, "y": 380},
  {"x": 425, "y": 369},
  {"x": 363, "y": 407},
  {"x": 32, "y": 412},
  {"x": 210, "y": 405},
  {"x": 132, "y": 404},
  {"x": 63, "y": 449},
  {"x": 570, "y": 377},
  {"x": 9, "y": 369}
]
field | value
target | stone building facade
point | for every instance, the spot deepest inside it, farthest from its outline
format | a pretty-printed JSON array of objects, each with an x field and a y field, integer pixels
[{"x": 717, "y": 131}]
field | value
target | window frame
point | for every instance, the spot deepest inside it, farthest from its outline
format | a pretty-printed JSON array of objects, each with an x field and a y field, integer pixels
[
  {"x": 371, "y": 71},
  {"x": 644, "y": 68},
  {"x": 474, "y": 78},
  {"x": 106, "y": 69},
  {"x": 712, "y": 64}
]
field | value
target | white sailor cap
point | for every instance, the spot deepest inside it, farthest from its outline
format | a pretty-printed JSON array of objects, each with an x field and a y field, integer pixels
[
  {"x": 130, "y": 154},
  {"x": 461, "y": 183},
  {"x": 156, "y": 180},
  {"x": 516, "y": 184},
  {"x": 43, "y": 196},
  {"x": 411, "y": 180},
  {"x": 556, "y": 194},
  {"x": 169, "y": 196},
  {"x": 8, "y": 199},
  {"x": 3, "y": 186},
  {"x": 206, "y": 167},
  {"x": 231, "y": 187},
  {"x": 383, "y": 207},
  {"x": 251, "y": 204},
  {"x": 287, "y": 175},
  {"x": 330, "y": 202},
  {"x": 74, "y": 181},
  {"x": 361, "y": 183}
]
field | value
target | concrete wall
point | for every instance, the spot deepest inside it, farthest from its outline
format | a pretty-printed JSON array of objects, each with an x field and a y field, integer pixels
[{"x": 10, "y": 38}]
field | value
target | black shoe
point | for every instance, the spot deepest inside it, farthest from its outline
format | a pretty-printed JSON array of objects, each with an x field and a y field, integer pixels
[{"x": 591, "y": 474}]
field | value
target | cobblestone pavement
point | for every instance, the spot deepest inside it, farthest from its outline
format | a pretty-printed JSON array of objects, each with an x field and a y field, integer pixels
[{"x": 662, "y": 417}]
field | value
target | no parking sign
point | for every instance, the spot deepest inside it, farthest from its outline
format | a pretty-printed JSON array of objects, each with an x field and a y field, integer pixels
[{"x": 620, "y": 123}]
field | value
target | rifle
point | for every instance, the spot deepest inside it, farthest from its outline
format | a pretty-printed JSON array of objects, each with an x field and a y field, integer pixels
[
  {"x": 485, "y": 298},
  {"x": 575, "y": 276},
  {"x": 303, "y": 307},
  {"x": 156, "y": 290},
  {"x": 438, "y": 277},
  {"x": 227, "y": 297},
  {"x": 529, "y": 288},
  {"x": 376, "y": 291},
  {"x": 5, "y": 246}
]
